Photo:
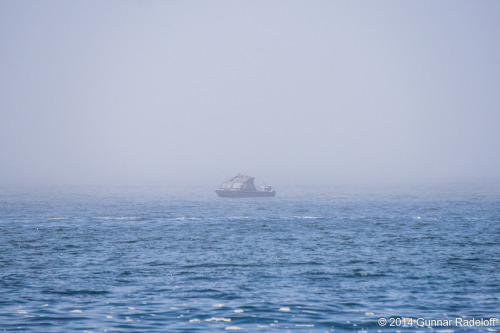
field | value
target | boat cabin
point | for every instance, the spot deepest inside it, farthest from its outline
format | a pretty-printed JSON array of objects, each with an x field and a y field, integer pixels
[{"x": 239, "y": 183}]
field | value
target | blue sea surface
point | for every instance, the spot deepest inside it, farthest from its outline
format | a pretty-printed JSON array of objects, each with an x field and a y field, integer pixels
[{"x": 313, "y": 259}]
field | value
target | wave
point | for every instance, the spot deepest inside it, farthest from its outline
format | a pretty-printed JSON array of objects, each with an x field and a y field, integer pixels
[
  {"x": 309, "y": 217},
  {"x": 119, "y": 218}
]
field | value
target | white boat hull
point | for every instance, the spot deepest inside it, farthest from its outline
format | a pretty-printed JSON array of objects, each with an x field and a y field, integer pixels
[{"x": 244, "y": 194}]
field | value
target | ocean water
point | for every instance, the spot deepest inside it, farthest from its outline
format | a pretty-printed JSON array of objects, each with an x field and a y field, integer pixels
[{"x": 313, "y": 259}]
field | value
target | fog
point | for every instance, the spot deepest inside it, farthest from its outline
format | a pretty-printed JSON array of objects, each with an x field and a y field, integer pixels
[{"x": 171, "y": 92}]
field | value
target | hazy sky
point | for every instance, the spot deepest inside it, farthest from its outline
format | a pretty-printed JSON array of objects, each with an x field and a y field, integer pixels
[{"x": 323, "y": 91}]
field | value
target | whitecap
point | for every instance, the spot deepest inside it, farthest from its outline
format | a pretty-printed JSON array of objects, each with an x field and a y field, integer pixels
[
  {"x": 285, "y": 309},
  {"x": 109, "y": 317},
  {"x": 127, "y": 319},
  {"x": 218, "y": 319},
  {"x": 76, "y": 311},
  {"x": 309, "y": 217},
  {"x": 309, "y": 311},
  {"x": 196, "y": 320},
  {"x": 239, "y": 311},
  {"x": 118, "y": 218},
  {"x": 233, "y": 328},
  {"x": 220, "y": 305},
  {"x": 304, "y": 325}
]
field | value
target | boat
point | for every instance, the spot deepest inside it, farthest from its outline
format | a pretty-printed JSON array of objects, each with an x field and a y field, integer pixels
[{"x": 241, "y": 186}]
